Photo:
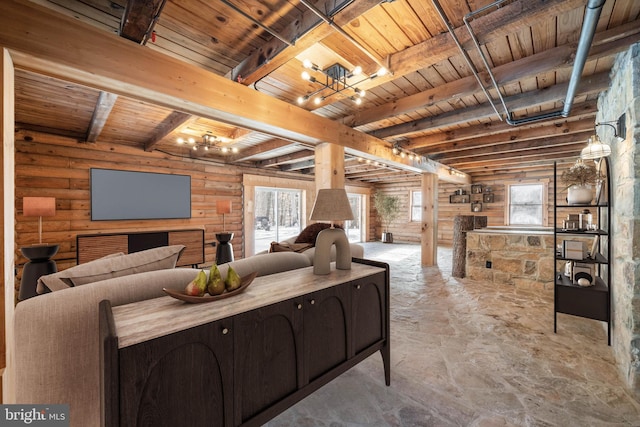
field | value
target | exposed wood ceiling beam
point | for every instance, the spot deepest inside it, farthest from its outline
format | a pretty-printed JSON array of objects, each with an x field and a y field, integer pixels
[
  {"x": 289, "y": 158},
  {"x": 274, "y": 53},
  {"x": 605, "y": 44},
  {"x": 514, "y": 147},
  {"x": 305, "y": 164},
  {"x": 139, "y": 18},
  {"x": 550, "y": 153},
  {"x": 583, "y": 111},
  {"x": 262, "y": 149},
  {"x": 101, "y": 112},
  {"x": 45, "y": 42},
  {"x": 516, "y": 135},
  {"x": 168, "y": 125},
  {"x": 588, "y": 85}
]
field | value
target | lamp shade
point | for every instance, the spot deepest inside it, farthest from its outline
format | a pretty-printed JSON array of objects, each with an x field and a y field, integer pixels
[
  {"x": 595, "y": 149},
  {"x": 332, "y": 204},
  {"x": 39, "y": 206},
  {"x": 223, "y": 207}
]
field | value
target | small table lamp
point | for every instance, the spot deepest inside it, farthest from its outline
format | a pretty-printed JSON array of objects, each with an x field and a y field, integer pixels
[
  {"x": 39, "y": 255},
  {"x": 39, "y": 206},
  {"x": 224, "y": 252},
  {"x": 332, "y": 204}
]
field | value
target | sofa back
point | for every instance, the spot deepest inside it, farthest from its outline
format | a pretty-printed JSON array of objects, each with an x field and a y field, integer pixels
[{"x": 57, "y": 357}]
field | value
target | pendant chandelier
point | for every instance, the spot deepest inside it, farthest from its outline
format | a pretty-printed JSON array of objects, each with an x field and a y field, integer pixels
[
  {"x": 209, "y": 142},
  {"x": 336, "y": 80}
]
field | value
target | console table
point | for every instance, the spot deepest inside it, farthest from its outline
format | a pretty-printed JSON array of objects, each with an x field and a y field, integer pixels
[
  {"x": 94, "y": 246},
  {"x": 243, "y": 360}
]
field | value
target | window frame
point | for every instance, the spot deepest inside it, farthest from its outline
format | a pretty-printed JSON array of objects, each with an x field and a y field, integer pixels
[
  {"x": 545, "y": 200},
  {"x": 412, "y": 206}
]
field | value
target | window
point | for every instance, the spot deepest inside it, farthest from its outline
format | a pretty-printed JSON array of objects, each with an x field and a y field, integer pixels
[
  {"x": 416, "y": 205},
  {"x": 353, "y": 228},
  {"x": 527, "y": 204},
  {"x": 277, "y": 215}
]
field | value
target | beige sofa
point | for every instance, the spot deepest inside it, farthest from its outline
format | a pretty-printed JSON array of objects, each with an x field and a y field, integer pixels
[{"x": 56, "y": 334}]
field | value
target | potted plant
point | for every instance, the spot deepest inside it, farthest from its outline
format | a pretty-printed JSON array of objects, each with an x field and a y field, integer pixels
[
  {"x": 388, "y": 208},
  {"x": 578, "y": 180}
]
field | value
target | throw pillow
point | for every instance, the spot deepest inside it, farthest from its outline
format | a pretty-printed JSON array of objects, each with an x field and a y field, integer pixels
[
  {"x": 289, "y": 247},
  {"x": 309, "y": 234},
  {"x": 113, "y": 266}
]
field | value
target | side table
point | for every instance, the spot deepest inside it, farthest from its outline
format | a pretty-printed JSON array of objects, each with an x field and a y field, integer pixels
[
  {"x": 40, "y": 263},
  {"x": 224, "y": 251}
]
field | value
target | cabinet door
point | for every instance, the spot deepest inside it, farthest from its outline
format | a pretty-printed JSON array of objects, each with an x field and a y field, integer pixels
[
  {"x": 368, "y": 308},
  {"x": 268, "y": 362},
  {"x": 327, "y": 322},
  {"x": 179, "y": 379}
]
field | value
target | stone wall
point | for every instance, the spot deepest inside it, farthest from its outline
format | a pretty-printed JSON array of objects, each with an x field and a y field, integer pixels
[
  {"x": 524, "y": 260},
  {"x": 623, "y": 97}
]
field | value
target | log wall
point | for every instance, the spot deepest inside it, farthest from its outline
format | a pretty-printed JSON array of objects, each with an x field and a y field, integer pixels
[
  {"x": 52, "y": 166},
  {"x": 406, "y": 231}
]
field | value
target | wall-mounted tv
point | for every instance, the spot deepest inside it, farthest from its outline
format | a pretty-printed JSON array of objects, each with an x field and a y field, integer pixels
[{"x": 120, "y": 195}]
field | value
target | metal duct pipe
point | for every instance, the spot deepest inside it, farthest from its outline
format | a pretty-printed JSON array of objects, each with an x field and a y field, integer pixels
[
  {"x": 346, "y": 35},
  {"x": 591, "y": 16}
]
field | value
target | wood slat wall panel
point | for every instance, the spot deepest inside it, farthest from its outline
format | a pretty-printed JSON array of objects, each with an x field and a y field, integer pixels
[{"x": 58, "y": 167}]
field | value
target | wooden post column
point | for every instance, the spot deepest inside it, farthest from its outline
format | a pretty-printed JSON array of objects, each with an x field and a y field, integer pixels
[
  {"x": 7, "y": 228},
  {"x": 329, "y": 166},
  {"x": 429, "y": 228}
]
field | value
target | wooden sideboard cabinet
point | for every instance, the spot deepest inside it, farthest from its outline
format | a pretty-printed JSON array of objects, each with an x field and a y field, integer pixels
[
  {"x": 93, "y": 246},
  {"x": 243, "y": 360}
]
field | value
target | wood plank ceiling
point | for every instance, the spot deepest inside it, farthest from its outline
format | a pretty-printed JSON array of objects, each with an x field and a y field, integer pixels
[{"x": 430, "y": 105}]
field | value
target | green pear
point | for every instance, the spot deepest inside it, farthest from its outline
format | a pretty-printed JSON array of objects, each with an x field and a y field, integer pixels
[
  {"x": 198, "y": 286},
  {"x": 215, "y": 285},
  {"x": 233, "y": 280}
]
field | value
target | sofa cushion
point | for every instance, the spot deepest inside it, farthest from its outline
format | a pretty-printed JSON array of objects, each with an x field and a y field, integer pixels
[
  {"x": 309, "y": 234},
  {"x": 161, "y": 258}
]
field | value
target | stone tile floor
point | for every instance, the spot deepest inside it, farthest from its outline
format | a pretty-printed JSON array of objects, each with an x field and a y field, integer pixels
[{"x": 466, "y": 353}]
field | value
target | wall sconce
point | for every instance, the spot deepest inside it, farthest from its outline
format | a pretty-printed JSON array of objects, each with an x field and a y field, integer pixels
[{"x": 595, "y": 148}]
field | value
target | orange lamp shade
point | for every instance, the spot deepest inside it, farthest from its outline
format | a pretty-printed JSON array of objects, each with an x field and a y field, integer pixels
[
  {"x": 223, "y": 207},
  {"x": 39, "y": 206}
]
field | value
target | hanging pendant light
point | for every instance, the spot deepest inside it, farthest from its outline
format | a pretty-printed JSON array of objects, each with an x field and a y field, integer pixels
[{"x": 595, "y": 149}]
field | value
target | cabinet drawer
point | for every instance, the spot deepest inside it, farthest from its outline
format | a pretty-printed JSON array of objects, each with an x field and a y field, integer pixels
[{"x": 591, "y": 303}]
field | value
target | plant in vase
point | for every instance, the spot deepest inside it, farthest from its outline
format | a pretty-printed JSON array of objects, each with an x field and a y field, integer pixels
[
  {"x": 578, "y": 180},
  {"x": 388, "y": 208}
]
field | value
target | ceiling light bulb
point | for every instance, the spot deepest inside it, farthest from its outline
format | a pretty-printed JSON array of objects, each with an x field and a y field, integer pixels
[
  {"x": 206, "y": 148},
  {"x": 403, "y": 155},
  {"x": 410, "y": 156},
  {"x": 301, "y": 99},
  {"x": 357, "y": 71},
  {"x": 317, "y": 100},
  {"x": 307, "y": 63},
  {"x": 395, "y": 150},
  {"x": 191, "y": 141},
  {"x": 358, "y": 101},
  {"x": 361, "y": 92},
  {"x": 225, "y": 149},
  {"x": 305, "y": 75},
  {"x": 381, "y": 72},
  {"x": 195, "y": 148},
  {"x": 180, "y": 140},
  {"x": 234, "y": 149}
]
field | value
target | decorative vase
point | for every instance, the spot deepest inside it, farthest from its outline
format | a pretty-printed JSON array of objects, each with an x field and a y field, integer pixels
[
  {"x": 387, "y": 237},
  {"x": 579, "y": 195}
]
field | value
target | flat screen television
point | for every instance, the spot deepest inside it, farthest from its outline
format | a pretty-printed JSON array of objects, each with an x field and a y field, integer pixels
[{"x": 122, "y": 195}]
